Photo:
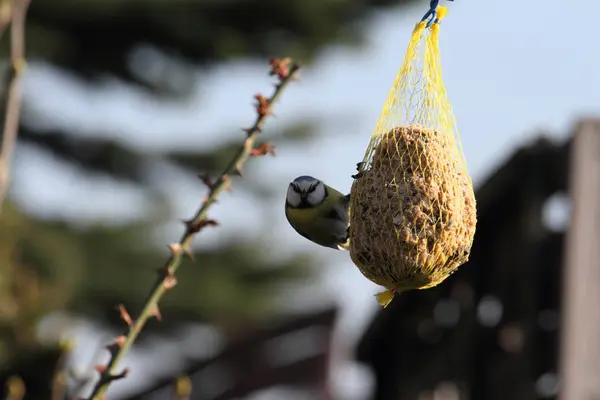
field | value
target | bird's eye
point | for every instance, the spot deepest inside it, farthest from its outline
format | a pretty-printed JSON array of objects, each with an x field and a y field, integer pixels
[
  {"x": 312, "y": 189},
  {"x": 296, "y": 188}
]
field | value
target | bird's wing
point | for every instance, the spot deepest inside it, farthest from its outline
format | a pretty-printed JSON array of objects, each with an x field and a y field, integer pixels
[
  {"x": 336, "y": 213},
  {"x": 339, "y": 214}
]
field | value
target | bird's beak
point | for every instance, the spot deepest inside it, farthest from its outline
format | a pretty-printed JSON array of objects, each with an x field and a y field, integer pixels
[{"x": 303, "y": 199}]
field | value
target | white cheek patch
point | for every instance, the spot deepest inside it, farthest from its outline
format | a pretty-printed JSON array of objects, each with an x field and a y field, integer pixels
[
  {"x": 293, "y": 198},
  {"x": 317, "y": 196}
]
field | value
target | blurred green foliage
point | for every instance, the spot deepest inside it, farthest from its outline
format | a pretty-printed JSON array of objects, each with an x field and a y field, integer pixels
[{"x": 48, "y": 265}]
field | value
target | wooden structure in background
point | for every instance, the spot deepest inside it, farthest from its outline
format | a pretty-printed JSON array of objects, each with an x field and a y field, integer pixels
[
  {"x": 580, "y": 361},
  {"x": 492, "y": 331},
  {"x": 295, "y": 354}
]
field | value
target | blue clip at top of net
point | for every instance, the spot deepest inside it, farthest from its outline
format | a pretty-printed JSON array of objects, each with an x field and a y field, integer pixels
[{"x": 432, "y": 13}]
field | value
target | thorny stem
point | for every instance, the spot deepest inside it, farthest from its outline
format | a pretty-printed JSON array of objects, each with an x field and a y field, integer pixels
[
  {"x": 286, "y": 72},
  {"x": 13, "y": 96}
]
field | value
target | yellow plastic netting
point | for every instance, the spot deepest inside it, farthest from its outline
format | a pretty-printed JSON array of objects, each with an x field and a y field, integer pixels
[{"x": 412, "y": 207}]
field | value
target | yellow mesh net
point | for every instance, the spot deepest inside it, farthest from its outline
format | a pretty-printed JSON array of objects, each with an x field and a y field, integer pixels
[{"x": 412, "y": 207}]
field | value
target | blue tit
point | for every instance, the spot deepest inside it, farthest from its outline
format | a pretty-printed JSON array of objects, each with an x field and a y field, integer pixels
[{"x": 318, "y": 212}]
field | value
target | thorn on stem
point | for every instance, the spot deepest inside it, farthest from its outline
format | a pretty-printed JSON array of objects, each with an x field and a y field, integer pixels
[
  {"x": 120, "y": 340},
  {"x": 189, "y": 224},
  {"x": 239, "y": 171},
  {"x": 124, "y": 315},
  {"x": 194, "y": 226},
  {"x": 206, "y": 180},
  {"x": 100, "y": 368},
  {"x": 280, "y": 67},
  {"x": 169, "y": 282},
  {"x": 263, "y": 149},
  {"x": 111, "y": 378},
  {"x": 175, "y": 249},
  {"x": 189, "y": 254},
  {"x": 155, "y": 312},
  {"x": 116, "y": 345},
  {"x": 207, "y": 222},
  {"x": 262, "y": 106}
]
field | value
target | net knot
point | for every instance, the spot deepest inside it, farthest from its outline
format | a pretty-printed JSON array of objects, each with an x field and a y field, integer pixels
[{"x": 433, "y": 15}]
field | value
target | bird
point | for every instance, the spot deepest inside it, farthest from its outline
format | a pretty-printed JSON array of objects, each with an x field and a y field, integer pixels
[{"x": 318, "y": 212}]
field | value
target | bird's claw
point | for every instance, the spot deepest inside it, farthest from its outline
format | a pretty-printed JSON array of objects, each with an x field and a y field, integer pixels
[{"x": 358, "y": 168}]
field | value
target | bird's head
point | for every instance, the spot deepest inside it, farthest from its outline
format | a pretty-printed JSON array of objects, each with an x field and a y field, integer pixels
[{"x": 306, "y": 192}]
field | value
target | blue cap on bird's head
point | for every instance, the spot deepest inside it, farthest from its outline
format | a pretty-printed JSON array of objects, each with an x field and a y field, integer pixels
[
  {"x": 305, "y": 183},
  {"x": 305, "y": 178}
]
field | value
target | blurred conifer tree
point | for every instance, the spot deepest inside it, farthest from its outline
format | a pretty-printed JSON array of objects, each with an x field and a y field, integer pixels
[{"x": 54, "y": 264}]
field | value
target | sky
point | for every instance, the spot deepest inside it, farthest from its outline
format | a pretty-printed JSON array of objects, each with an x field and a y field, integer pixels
[{"x": 512, "y": 70}]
